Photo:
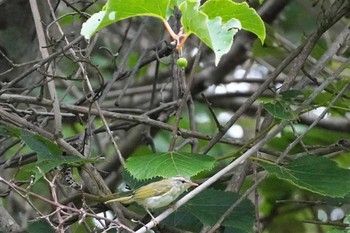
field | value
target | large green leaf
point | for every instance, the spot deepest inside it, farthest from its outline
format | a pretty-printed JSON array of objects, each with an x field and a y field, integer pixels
[
  {"x": 168, "y": 164},
  {"x": 227, "y": 10},
  {"x": 316, "y": 174},
  {"x": 210, "y": 205},
  {"x": 116, "y": 10}
]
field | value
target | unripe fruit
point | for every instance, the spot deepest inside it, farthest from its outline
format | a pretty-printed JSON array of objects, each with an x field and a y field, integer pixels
[{"x": 181, "y": 62}]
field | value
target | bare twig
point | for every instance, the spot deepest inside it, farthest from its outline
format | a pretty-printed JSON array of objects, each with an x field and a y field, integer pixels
[
  {"x": 57, "y": 205},
  {"x": 45, "y": 54},
  {"x": 183, "y": 101},
  {"x": 324, "y": 112}
]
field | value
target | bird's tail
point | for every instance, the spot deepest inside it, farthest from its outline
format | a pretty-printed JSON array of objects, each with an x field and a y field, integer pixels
[{"x": 124, "y": 200}]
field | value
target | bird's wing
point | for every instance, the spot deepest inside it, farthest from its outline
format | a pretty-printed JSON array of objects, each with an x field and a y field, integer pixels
[
  {"x": 153, "y": 189},
  {"x": 124, "y": 200}
]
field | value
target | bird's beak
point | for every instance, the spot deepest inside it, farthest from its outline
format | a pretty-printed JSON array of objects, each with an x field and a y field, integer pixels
[{"x": 192, "y": 184}]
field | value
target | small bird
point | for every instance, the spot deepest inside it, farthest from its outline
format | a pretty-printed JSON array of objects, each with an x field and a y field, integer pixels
[{"x": 157, "y": 194}]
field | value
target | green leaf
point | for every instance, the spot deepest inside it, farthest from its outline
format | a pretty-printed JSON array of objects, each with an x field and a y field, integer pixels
[
  {"x": 183, "y": 220},
  {"x": 131, "y": 8},
  {"x": 316, "y": 174},
  {"x": 337, "y": 231},
  {"x": 168, "y": 164},
  {"x": 9, "y": 131},
  {"x": 215, "y": 33},
  {"x": 41, "y": 226},
  {"x": 280, "y": 110},
  {"x": 116, "y": 10},
  {"x": 291, "y": 94},
  {"x": 210, "y": 205},
  {"x": 227, "y": 10},
  {"x": 49, "y": 155},
  {"x": 194, "y": 21},
  {"x": 221, "y": 35},
  {"x": 215, "y": 23},
  {"x": 45, "y": 149}
]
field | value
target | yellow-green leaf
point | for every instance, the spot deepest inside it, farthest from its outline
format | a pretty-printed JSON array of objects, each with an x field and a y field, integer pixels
[{"x": 168, "y": 164}]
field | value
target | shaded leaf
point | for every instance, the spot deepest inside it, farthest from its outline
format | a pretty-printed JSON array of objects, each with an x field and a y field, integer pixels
[
  {"x": 316, "y": 174},
  {"x": 45, "y": 149},
  {"x": 40, "y": 226},
  {"x": 184, "y": 220},
  {"x": 210, "y": 205},
  {"x": 168, "y": 164},
  {"x": 49, "y": 155},
  {"x": 267, "y": 49},
  {"x": 280, "y": 110},
  {"x": 291, "y": 95}
]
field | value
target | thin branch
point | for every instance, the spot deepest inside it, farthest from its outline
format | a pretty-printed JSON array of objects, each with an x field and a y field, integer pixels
[
  {"x": 234, "y": 205},
  {"x": 45, "y": 54},
  {"x": 214, "y": 178},
  {"x": 300, "y": 54},
  {"x": 252, "y": 99},
  {"x": 218, "y": 125},
  {"x": 58, "y": 205},
  {"x": 324, "y": 112},
  {"x": 183, "y": 101},
  {"x": 142, "y": 119}
]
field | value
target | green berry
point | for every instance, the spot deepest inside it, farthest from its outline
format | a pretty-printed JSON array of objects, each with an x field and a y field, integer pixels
[{"x": 181, "y": 62}]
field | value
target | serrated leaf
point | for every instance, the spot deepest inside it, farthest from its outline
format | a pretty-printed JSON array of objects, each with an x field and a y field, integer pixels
[
  {"x": 316, "y": 174},
  {"x": 210, "y": 205},
  {"x": 280, "y": 110},
  {"x": 227, "y": 10},
  {"x": 168, "y": 164},
  {"x": 116, "y": 10},
  {"x": 215, "y": 33}
]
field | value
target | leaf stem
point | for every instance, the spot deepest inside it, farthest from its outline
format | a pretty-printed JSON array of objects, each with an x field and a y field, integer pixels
[{"x": 180, "y": 38}]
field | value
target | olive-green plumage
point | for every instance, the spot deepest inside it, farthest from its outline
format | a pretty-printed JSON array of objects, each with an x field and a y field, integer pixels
[{"x": 158, "y": 194}]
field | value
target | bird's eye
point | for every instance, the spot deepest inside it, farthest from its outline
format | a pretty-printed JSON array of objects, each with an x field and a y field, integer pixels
[{"x": 183, "y": 181}]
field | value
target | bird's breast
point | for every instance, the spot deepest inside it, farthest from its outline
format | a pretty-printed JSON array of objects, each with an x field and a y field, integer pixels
[{"x": 157, "y": 201}]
